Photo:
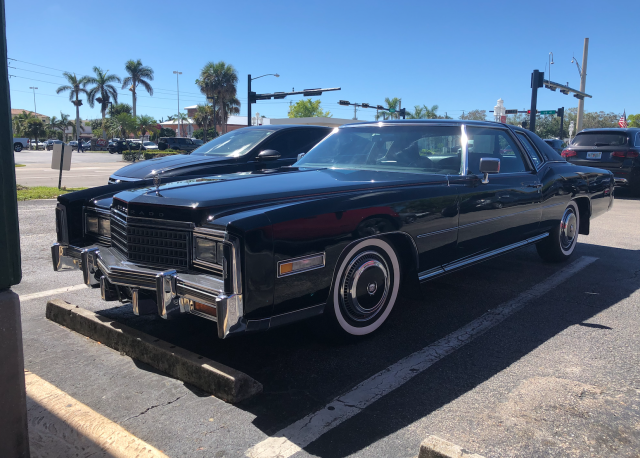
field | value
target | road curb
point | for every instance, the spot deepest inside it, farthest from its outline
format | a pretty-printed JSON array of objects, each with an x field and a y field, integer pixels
[
  {"x": 435, "y": 447},
  {"x": 222, "y": 381}
]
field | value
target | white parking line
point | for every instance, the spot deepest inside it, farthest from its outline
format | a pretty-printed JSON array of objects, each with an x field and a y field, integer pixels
[
  {"x": 66, "y": 289},
  {"x": 293, "y": 438}
]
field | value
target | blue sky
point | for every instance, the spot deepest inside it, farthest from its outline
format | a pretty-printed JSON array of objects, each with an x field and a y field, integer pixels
[{"x": 458, "y": 55}]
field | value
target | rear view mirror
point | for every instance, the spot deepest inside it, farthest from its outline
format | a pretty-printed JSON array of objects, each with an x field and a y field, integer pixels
[
  {"x": 488, "y": 165},
  {"x": 268, "y": 155}
]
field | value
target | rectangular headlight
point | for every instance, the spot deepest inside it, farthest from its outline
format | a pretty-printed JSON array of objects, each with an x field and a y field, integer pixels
[
  {"x": 205, "y": 250},
  {"x": 98, "y": 226},
  {"x": 298, "y": 265}
]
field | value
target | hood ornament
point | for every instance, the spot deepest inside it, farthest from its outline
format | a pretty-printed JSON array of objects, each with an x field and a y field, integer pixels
[{"x": 156, "y": 183}]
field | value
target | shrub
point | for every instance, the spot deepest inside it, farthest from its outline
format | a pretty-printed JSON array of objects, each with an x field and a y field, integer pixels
[
  {"x": 154, "y": 154},
  {"x": 132, "y": 156}
]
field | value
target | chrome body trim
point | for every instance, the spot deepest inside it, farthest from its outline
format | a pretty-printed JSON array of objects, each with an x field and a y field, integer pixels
[
  {"x": 456, "y": 265},
  {"x": 89, "y": 261},
  {"x": 66, "y": 257},
  {"x": 620, "y": 181},
  {"x": 464, "y": 163},
  {"x": 443, "y": 231},
  {"x": 166, "y": 293},
  {"x": 286, "y": 261}
]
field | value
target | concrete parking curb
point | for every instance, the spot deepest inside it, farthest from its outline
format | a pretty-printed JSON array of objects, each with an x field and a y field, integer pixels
[
  {"x": 222, "y": 381},
  {"x": 434, "y": 447}
]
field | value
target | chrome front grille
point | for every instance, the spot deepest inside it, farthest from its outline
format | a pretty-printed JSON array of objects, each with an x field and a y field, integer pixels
[{"x": 149, "y": 242}]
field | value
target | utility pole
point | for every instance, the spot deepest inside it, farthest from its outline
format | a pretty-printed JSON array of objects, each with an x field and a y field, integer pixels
[
  {"x": 583, "y": 82},
  {"x": 177, "y": 73},
  {"x": 249, "y": 100},
  {"x": 355, "y": 111},
  {"x": 399, "y": 106},
  {"x": 35, "y": 109}
]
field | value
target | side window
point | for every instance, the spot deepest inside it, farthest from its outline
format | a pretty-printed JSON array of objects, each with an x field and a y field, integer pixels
[
  {"x": 285, "y": 142},
  {"x": 533, "y": 154},
  {"x": 494, "y": 143},
  {"x": 638, "y": 139}
]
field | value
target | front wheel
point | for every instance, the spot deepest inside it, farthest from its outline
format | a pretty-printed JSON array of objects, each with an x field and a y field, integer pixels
[
  {"x": 562, "y": 240},
  {"x": 365, "y": 289}
]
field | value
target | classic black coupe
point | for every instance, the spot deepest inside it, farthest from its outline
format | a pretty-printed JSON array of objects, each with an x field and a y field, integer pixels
[{"x": 371, "y": 209}]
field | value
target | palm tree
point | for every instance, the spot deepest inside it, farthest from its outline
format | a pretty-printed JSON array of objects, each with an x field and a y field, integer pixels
[
  {"x": 35, "y": 128},
  {"x": 75, "y": 87},
  {"x": 181, "y": 118},
  {"x": 138, "y": 75},
  {"x": 145, "y": 124},
  {"x": 63, "y": 123},
  {"x": 105, "y": 89},
  {"x": 230, "y": 107},
  {"x": 423, "y": 112},
  {"x": 218, "y": 81},
  {"x": 391, "y": 104},
  {"x": 20, "y": 123},
  {"x": 203, "y": 117}
]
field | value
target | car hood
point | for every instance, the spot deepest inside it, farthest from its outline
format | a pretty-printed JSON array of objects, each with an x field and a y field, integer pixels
[
  {"x": 198, "y": 199},
  {"x": 170, "y": 165}
]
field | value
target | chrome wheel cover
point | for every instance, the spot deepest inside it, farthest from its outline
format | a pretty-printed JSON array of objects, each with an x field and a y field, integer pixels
[
  {"x": 568, "y": 229},
  {"x": 365, "y": 286}
]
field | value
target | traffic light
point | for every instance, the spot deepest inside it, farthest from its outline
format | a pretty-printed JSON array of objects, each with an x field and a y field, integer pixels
[
  {"x": 560, "y": 112},
  {"x": 252, "y": 97},
  {"x": 537, "y": 79},
  {"x": 343, "y": 102},
  {"x": 525, "y": 124},
  {"x": 402, "y": 112},
  {"x": 364, "y": 105}
]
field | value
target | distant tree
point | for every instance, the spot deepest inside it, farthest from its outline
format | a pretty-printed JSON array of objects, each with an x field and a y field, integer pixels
[
  {"x": 20, "y": 123},
  {"x": 76, "y": 86},
  {"x": 200, "y": 134},
  {"x": 633, "y": 120},
  {"x": 146, "y": 124},
  {"x": 138, "y": 76},
  {"x": 307, "y": 108},
  {"x": 181, "y": 119},
  {"x": 62, "y": 124},
  {"x": 423, "y": 112},
  {"x": 203, "y": 118},
  {"x": 103, "y": 90},
  {"x": 35, "y": 129},
  {"x": 121, "y": 125},
  {"x": 118, "y": 108},
  {"x": 391, "y": 104},
  {"x": 219, "y": 81},
  {"x": 475, "y": 115},
  {"x": 164, "y": 132}
]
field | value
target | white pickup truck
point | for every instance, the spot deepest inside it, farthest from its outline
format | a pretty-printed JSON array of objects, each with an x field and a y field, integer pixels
[{"x": 20, "y": 143}]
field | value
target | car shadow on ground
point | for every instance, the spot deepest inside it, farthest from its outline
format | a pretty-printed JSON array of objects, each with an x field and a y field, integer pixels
[{"x": 301, "y": 371}]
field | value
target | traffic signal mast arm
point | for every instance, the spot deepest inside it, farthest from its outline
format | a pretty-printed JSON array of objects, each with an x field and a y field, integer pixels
[
  {"x": 253, "y": 97},
  {"x": 401, "y": 112}
]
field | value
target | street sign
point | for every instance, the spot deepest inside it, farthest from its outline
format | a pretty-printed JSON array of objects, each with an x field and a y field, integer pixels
[
  {"x": 102, "y": 142},
  {"x": 392, "y": 110},
  {"x": 547, "y": 112}
]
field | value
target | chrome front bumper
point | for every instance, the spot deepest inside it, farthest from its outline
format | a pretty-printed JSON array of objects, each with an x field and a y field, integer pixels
[{"x": 175, "y": 292}]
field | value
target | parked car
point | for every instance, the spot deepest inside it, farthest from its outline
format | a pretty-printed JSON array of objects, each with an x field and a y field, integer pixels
[
  {"x": 177, "y": 144},
  {"x": 241, "y": 150},
  {"x": 555, "y": 143},
  {"x": 119, "y": 146},
  {"x": 197, "y": 141},
  {"x": 617, "y": 150},
  {"x": 48, "y": 145},
  {"x": 371, "y": 207},
  {"x": 149, "y": 146},
  {"x": 20, "y": 143}
]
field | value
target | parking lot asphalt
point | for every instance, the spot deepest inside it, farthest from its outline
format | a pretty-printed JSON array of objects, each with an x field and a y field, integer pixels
[
  {"x": 560, "y": 376},
  {"x": 87, "y": 169}
]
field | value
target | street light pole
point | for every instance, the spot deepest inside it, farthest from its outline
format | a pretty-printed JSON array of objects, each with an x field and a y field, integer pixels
[
  {"x": 583, "y": 83},
  {"x": 35, "y": 109},
  {"x": 177, "y": 73}
]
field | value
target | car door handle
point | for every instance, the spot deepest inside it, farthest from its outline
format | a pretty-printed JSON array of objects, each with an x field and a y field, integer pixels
[{"x": 533, "y": 185}]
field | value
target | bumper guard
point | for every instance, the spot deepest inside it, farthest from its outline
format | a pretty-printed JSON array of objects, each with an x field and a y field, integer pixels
[{"x": 175, "y": 292}]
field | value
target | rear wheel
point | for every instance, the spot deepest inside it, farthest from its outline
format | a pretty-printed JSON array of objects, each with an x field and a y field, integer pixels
[
  {"x": 365, "y": 289},
  {"x": 17, "y": 147},
  {"x": 562, "y": 240}
]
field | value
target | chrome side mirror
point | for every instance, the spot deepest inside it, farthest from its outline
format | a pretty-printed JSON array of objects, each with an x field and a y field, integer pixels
[
  {"x": 488, "y": 165},
  {"x": 269, "y": 155}
]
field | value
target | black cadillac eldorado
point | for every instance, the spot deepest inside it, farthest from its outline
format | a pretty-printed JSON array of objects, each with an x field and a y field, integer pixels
[{"x": 371, "y": 209}]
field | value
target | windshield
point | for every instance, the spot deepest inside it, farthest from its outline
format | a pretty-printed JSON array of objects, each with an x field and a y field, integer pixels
[
  {"x": 414, "y": 149},
  {"x": 600, "y": 139},
  {"x": 233, "y": 144},
  {"x": 149, "y": 144}
]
